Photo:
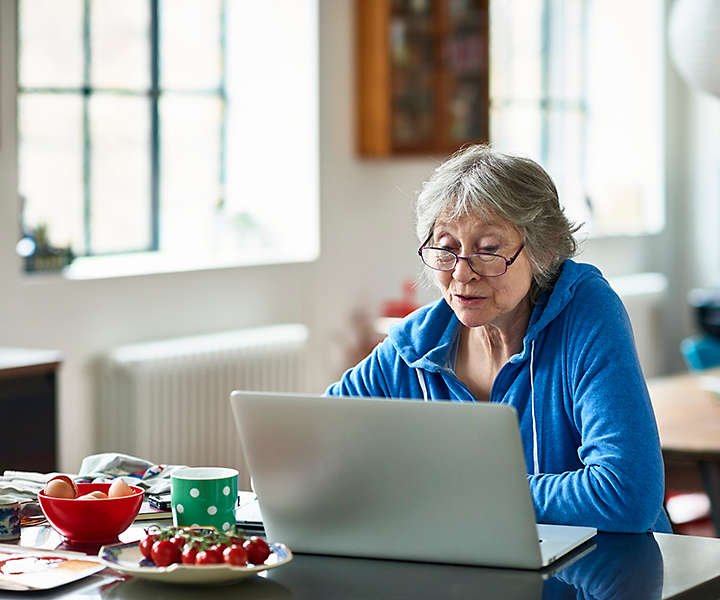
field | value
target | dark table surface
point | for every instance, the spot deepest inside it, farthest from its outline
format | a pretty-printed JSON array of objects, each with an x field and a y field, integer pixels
[{"x": 618, "y": 566}]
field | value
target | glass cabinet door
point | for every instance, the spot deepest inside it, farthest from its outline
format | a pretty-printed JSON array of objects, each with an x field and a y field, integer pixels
[
  {"x": 465, "y": 73},
  {"x": 413, "y": 73},
  {"x": 435, "y": 77}
]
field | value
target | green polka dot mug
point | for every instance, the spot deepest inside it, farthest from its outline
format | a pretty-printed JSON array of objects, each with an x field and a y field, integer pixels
[{"x": 204, "y": 496}]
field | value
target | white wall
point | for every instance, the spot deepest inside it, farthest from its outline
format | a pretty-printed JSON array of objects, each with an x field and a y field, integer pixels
[{"x": 367, "y": 247}]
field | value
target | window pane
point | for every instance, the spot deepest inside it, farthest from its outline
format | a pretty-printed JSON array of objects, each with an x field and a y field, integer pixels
[
  {"x": 565, "y": 160},
  {"x": 263, "y": 110},
  {"x": 516, "y": 130},
  {"x": 120, "y": 173},
  {"x": 624, "y": 145},
  {"x": 190, "y": 42},
  {"x": 120, "y": 44},
  {"x": 50, "y": 43},
  {"x": 50, "y": 166},
  {"x": 564, "y": 142},
  {"x": 190, "y": 190},
  {"x": 515, "y": 49},
  {"x": 566, "y": 50},
  {"x": 50, "y": 159}
]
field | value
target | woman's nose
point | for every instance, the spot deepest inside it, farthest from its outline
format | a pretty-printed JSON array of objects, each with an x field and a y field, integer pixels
[{"x": 463, "y": 272}]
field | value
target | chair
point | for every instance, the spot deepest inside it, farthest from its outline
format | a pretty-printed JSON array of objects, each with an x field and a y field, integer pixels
[
  {"x": 701, "y": 352},
  {"x": 688, "y": 508}
]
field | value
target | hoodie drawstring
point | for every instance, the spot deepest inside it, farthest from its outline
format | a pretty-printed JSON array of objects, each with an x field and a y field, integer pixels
[
  {"x": 536, "y": 467},
  {"x": 421, "y": 381}
]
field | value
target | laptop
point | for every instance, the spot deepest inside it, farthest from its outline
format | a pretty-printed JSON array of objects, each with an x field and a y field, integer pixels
[{"x": 400, "y": 479}]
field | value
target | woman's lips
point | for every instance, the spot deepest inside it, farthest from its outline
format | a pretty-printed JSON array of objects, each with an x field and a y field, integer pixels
[{"x": 467, "y": 300}]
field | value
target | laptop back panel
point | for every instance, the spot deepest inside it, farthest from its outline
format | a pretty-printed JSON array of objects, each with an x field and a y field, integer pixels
[{"x": 439, "y": 481}]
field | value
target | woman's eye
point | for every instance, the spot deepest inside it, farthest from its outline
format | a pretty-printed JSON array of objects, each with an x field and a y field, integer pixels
[{"x": 490, "y": 249}]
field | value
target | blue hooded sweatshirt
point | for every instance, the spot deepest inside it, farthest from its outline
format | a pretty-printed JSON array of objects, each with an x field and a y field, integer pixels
[{"x": 588, "y": 429}]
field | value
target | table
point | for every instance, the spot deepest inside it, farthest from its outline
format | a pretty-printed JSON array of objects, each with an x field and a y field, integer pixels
[
  {"x": 688, "y": 418},
  {"x": 28, "y": 395},
  {"x": 618, "y": 566}
]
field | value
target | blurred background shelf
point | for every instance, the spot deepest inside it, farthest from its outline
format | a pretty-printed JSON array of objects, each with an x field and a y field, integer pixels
[{"x": 422, "y": 76}]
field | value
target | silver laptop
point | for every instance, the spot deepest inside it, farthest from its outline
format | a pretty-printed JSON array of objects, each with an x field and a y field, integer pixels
[{"x": 428, "y": 481}]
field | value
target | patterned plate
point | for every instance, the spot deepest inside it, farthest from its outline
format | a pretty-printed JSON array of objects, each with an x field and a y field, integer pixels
[{"x": 128, "y": 559}]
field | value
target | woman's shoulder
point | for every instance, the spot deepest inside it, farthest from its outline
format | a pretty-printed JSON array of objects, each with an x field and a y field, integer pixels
[
  {"x": 593, "y": 304},
  {"x": 432, "y": 314},
  {"x": 581, "y": 300},
  {"x": 426, "y": 331},
  {"x": 584, "y": 284}
]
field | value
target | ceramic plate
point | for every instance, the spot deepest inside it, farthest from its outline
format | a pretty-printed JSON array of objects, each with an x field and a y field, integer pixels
[
  {"x": 24, "y": 569},
  {"x": 128, "y": 559}
]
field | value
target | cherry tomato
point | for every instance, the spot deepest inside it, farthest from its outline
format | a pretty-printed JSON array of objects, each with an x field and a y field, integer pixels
[
  {"x": 235, "y": 555},
  {"x": 164, "y": 553},
  {"x": 189, "y": 552},
  {"x": 146, "y": 545},
  {"x": 178, "y": 541},
  {"x": 211, "y": 556},
  {"x": 220, "y": 547},
  {"x": 238, "y": 541},
  {"x": 257, "y": 550}
]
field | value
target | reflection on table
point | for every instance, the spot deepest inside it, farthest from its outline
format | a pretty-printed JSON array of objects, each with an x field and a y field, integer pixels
[
  {"x": 597, "y": 570},
  {"x": 618, "y": 566}
]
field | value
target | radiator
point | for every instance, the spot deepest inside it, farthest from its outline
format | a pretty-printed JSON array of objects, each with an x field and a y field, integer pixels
[
  {"x": 168, "y": 401},
  {"x": 644, "y": 295}
]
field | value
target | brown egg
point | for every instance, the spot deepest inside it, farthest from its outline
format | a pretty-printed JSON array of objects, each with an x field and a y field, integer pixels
[
  {"x": 61, "y": 487},
  {"x": 119, "y": 488},
  {"x": 96, "y": 495}
]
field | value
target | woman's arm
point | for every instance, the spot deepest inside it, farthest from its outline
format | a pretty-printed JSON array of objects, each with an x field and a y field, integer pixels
[{"x": 621, "y": 485}]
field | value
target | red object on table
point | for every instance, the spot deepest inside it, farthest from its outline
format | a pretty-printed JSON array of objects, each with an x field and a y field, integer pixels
[
  {"x": 402, "y": 307},
  {"x": 97, "y": 521}
]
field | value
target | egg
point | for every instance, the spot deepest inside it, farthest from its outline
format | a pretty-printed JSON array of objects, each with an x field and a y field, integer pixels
[
  {"x": 96, "y": 495},
  {"x": 61, "y": 486},
  {"x": 119, "y": 488}
]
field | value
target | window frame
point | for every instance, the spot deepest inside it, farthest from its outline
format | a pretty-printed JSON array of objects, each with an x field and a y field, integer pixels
[
  {"x": 154, "y": 94},
  {"x": 560, "y": 106}
]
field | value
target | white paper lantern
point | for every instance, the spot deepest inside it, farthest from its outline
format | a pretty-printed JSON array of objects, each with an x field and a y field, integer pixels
[{"x": 694, "y": 34}]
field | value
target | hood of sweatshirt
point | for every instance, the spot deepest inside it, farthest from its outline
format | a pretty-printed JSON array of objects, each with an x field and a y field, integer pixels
[{"x": 427, "y": 339}]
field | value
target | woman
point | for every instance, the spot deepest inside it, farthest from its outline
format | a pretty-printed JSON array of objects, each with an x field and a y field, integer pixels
[{"x": 522, "y": 324}]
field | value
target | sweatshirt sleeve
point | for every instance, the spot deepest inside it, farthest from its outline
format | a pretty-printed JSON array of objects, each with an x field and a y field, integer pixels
[{"x": 621, "y": 484}]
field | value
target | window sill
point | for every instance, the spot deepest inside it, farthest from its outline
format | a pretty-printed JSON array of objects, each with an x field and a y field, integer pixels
[{"x": 152, "y": 263}]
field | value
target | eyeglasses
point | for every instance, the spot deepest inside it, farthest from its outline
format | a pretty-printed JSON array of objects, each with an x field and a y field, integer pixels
[{"x": 484, "y": 264}]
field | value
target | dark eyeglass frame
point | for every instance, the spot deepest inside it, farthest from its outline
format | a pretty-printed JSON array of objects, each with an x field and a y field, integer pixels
[{"x": 508, "y": 261}]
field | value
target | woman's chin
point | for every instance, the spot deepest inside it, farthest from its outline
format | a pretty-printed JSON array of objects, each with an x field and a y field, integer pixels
[{"x": 472, "y": 318}]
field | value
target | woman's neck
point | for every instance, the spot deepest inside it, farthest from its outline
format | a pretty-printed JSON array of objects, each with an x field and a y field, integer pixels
[{"x": 498, "y": 340}]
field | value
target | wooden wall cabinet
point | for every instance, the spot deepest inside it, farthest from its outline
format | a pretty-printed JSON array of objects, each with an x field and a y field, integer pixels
[{"x": 421, "y": 75}]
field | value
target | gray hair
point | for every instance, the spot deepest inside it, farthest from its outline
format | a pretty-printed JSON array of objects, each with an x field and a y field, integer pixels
[{"x": 480, "y": 181}]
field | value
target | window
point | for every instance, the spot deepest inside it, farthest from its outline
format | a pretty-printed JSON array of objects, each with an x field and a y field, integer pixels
[
  {"x": 577, "y": 86},
  {"x": 156, "y": 126}
]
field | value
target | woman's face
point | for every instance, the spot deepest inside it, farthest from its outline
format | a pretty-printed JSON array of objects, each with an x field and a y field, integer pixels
[{"x": 478, "y": 300}]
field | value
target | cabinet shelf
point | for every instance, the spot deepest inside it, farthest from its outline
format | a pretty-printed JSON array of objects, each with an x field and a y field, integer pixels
[{"x": 421, "y": 75}]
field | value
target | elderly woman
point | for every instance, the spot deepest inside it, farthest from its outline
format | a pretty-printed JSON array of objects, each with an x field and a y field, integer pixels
[{"x": 522, "y": 324}]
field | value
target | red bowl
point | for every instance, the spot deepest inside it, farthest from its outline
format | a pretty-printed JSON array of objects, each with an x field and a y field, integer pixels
[{"x": 98, "y": 521}]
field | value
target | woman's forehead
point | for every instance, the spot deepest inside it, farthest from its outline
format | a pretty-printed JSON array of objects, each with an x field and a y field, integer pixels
[{"x": 489, "y": 222}]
